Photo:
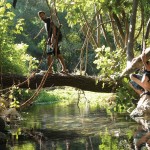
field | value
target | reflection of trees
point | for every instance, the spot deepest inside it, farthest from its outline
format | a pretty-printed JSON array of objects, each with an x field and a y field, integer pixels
[
  {"x": 45, "y": 139},
  {"x": 88, "y": 143},
  {"x": 141, "y": 138},
  {"x": 67, "y": 144},
  {"x": 50, "y": 139},
  {"x": 113, "y": 140}
]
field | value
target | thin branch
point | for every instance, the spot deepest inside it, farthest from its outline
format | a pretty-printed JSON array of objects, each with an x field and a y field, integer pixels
[
  {"x": 88, "y": 25},
  {"x": 104, "y": 33},
  {"x": 118, "y": 23},
  {"x": 142, "y": 24},
  {"x": 115, "y": 34}
]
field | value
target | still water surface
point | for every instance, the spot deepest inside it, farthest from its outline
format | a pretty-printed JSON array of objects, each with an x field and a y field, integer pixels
[{"x": 69, "y": 127}]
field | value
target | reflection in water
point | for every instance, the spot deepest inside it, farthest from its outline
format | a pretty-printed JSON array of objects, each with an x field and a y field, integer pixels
[
  {"x": 141, "y": 115},
  {"x": 64, "y": 127},
  {"x": 141, "y": 138}
]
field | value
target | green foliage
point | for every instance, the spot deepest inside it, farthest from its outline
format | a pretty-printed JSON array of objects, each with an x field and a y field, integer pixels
[
  {"x": 109, "y": 59},
  {"x": 2, "y": 103},
  {"x": 124, "y": 97},
  {"x": 14, "y": 59},
  {"x": 110, "y": 140},
  {"x": 31, "y": 63},
  {"x": 56, "y": 95},
  {"x": 25, "y": 146},
  {"x": 45, "y": 97},
  {"x": 14, "y": 104},
  {"x": 16, "y": 133},
  {"x": 32, "y": 25},
  {"x": 72, "y": 39},
  {"x": 14, "y": 30},
  {"x": 15, "y": 96},
  {"x": 13, "y": 56},
  {"x": 75, "y": 11},
  {"x": 21, "y": 94},
  {"x": 107, "y": 141},
  {"x": 110, "y": 64}
]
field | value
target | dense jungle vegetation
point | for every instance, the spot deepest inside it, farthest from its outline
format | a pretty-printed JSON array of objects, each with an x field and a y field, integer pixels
[{"x": 100, "y": 37}]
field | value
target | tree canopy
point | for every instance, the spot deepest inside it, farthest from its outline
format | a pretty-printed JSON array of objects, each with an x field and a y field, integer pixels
[{"x": 108, "y": 33}]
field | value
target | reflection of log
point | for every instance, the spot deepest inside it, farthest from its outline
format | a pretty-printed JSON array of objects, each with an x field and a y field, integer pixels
[
  {"x": 55, "y": 134},
  {"x": 142, "y": 112},
  {"x": 48, "y": 138},
  {"x": 82, "y": 82}
]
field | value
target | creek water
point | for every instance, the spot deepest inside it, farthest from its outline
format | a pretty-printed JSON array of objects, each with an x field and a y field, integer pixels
[{"x": 71, "y": 127}]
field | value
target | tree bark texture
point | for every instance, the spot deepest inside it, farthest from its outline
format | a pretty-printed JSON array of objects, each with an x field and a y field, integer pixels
[
  {"x": 130, "y": 54},
  {"x": 119, "y": 26},
  {"x": 115, "y": 33},
  {"x": 76, "y": 81}
]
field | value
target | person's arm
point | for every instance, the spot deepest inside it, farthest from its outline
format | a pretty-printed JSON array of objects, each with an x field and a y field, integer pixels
[{"x": 39, "y": 33}]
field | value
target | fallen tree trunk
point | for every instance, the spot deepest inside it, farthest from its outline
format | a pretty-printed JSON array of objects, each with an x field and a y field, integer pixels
[
  {"x": 136, "y": 64},
  {"x": 77, "y": 81}
]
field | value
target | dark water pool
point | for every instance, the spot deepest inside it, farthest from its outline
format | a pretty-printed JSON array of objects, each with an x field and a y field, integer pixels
[{"x": 69, "y": 127}]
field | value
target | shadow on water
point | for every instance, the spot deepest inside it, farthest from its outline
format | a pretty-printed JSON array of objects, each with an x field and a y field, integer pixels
[{"x": 66, "y": 127}]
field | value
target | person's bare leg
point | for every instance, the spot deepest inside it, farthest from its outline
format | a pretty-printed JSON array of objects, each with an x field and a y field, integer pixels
[
  {"x": 137, "y": 91},
  {"x": 145, "y": 81},
  {"x": 62, "y": 62},
  {"x": 49, "y": 62},
  {"x": 137, "y": 81}
]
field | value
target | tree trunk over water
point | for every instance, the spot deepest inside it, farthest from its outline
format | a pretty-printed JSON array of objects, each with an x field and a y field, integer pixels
[{"x": 77, "y": 81}]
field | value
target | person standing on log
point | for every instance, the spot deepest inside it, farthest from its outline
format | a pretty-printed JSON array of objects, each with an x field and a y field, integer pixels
[{"x": 54, "y": 38}]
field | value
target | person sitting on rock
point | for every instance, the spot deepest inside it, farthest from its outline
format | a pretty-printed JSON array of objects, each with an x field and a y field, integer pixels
[{"x": 144, "y": 82}]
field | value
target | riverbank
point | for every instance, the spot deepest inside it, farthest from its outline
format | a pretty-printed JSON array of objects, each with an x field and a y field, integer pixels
[{"x": 67, "y": 94}]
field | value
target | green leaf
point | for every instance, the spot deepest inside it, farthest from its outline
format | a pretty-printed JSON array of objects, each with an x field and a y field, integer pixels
[{"x": 8, "y": 5}]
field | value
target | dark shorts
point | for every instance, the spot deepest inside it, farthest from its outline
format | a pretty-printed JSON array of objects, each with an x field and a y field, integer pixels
[
  {"x": 51, "y": 51},
  {"x": 134, "y": 84}
]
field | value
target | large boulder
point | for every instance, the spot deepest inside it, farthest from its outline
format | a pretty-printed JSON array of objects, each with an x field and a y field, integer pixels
[{"x": 143, "y": 107}]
